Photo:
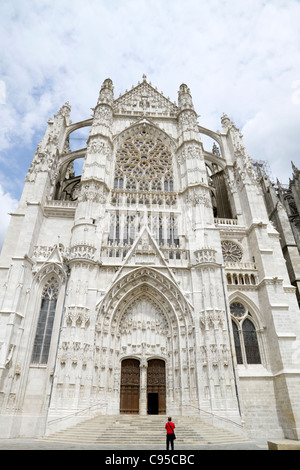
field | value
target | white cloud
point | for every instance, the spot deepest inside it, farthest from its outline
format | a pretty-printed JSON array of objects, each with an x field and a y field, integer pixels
[{"x": 7, "y": 205}]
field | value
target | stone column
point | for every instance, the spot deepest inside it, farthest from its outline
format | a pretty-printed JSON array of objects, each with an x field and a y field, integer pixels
[{"x": 143, "y": 387}]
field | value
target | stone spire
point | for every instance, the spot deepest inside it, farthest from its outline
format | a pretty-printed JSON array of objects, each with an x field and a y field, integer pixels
[
  {"x": 187, "y": 116},
  {"x": 103, "y": 113}
]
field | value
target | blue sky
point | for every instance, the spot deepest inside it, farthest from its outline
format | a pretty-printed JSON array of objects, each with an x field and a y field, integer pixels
[{"x": 237, "y": 57}]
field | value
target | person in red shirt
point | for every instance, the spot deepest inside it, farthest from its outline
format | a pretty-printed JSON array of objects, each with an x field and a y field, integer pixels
[{"x": 170, "y": 426}]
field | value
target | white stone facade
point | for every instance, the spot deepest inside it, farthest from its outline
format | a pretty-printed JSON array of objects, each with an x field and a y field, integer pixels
[{"x": 153, "y": 282}]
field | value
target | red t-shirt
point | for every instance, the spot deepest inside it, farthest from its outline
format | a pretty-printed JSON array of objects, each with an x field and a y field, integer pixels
[{"x": 170, "y": 427}]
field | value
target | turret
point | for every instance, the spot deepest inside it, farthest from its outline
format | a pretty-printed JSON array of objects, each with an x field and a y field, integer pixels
[
  {"x": 103, "y": 112},
  {"x": 96, "y": 170},
  {"x": 190, "y": 151}
]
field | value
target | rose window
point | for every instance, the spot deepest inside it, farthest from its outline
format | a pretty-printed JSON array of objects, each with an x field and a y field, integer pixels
[
  {"x": 231, "y": 251},
  {"x": 237, "y": 310},
  {"x": 143, "y": 163}
]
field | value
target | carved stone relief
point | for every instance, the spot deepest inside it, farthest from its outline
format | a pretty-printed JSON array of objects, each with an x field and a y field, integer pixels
[
  {"x": 197, "y": 196},
  {"x": 77, "y": 316},
  {"x": 92, "y": 191},
  {"x": 144, "y": 324},
  {"x": 144, "y": 99}
]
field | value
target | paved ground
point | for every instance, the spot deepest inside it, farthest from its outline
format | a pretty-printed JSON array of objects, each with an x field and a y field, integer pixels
[{"x": 36, "y": 444}]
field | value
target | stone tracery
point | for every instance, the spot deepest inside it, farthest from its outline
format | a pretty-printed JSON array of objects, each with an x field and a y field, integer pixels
[
  {"x": 143, "y": 163},
  {"x": 231, "y": 251}
]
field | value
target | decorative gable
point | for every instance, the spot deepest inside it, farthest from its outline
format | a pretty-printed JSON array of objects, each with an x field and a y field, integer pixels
[{"x": 145, "y": 100}]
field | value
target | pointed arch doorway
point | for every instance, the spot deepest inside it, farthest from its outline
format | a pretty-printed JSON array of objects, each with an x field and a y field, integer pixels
[
  {"x": 156, "y": 387},
  {"x": 147, "y": 317}
]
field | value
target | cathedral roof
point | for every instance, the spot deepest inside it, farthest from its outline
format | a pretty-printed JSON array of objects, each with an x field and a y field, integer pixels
[{"x": 144, "y": 99}]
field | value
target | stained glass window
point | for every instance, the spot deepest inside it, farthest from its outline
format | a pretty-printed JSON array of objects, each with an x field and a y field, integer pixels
[
  {"x": 237, "y": 343},
  {"x": 143, "y": 163},
  {"x": 244, "y": 335},
  {"x": 237, "y": 309},
  {"x": 250, "y": 342},
  {"x": 43, "y": 333}
]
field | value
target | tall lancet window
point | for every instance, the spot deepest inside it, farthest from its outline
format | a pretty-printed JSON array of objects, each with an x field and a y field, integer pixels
[
  {"x": 245, "y": 335},
  {"x": 43, "y": 333}
]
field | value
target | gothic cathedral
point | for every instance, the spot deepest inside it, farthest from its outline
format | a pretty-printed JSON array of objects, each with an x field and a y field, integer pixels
[{"x": 152, "y": 281}]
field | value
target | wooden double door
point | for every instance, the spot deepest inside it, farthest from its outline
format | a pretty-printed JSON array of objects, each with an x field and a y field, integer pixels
[{"x": 130, "y": 387}]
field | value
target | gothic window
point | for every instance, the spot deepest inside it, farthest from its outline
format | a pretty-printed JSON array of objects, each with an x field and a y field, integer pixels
[
  {"x": 250, "y": 342},
  {"x": 231, "y": 251},
  {"x": 160, "y": 231},
  {"x": 144, "y": 185},
  {"x": 172, "y": 231},
  {"x": 125, "y": 227},
  {"x": 145, "y": 164},
  {"x": 114, "y": 230},
  {"x": 156, "y": 184},
  {"x": 43, "y": 333},
  {"x": 244, "y": 335},
  {"x": 168, "y": 183},
  {"x": 118, "y": 183},
  {"x": 129, "y": 230},
  {"x": 131, "y": 184},
  {"x": 237, "y": 343}
]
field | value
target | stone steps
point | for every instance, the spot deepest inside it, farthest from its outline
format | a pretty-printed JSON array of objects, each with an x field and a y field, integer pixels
[{"x": 136, "y": 430}]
